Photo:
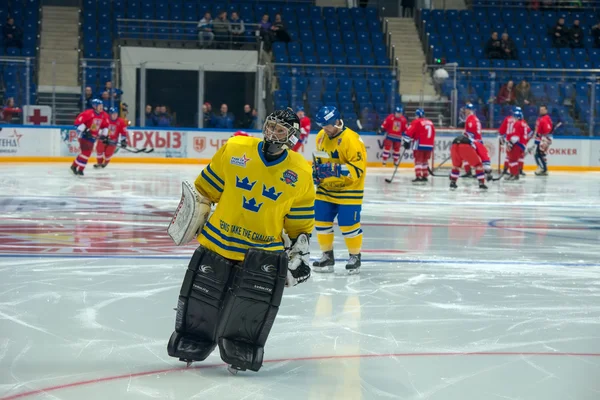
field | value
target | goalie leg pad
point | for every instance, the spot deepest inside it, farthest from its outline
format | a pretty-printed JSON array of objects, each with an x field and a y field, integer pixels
[
  {"x": 203, "y": 291},
  {"x": 250, "y": 308}
]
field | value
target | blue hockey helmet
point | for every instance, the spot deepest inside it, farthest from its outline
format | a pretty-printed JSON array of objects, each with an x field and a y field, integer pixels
[
  {"x": 419, "y": 113},
  {"x": 399, "y": 109},
  {"x": 518, "y": 114},
  {"x": 113, "y": 110},
  {"x": 300, "y": 108},
  {"x": 469, "y": 106},
  {"x": 327, "y": 115},
  {"x": 96, "y": 102},
  {"x": 517, "y": 108}
]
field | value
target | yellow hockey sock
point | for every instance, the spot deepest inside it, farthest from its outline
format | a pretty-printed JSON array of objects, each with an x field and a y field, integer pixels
[
  {"x": 352, "y": 237},
  {"x": 324, "y": 235}
]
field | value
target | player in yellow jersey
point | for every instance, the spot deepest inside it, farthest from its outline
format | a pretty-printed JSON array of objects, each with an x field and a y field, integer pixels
[
  {"x": 234, "y": 283},
  {"x": 340, "y": 180}
]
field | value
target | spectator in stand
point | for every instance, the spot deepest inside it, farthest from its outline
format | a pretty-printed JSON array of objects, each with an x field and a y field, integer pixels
[
  {"x": 523, "y": 94},
  {"x": 493, "y": 48},
  {"x": 560, "y": 34},
  {"x": 236, "y": 29},
  {"x": 264, "y": 28},
  {"x": 596, "y": 34},
  {"x": 106, "y": 100},
  {"x": 87, "y": 100},
  {"x": 507, "y": 94},
  {"x": 248, "y": 121},
  {"x": 208, "y": 115},
  {"x": 221, "y": 27},
  {"x": 12, "y": 34},
  {"x": 162, "y": 118},
  {"x": 9, "y": 111},
  {"x": 149, "y": 116},
  {"x": 205, "y": 31},
  {"x": 225, "y": 119},
  {"x": 509, "y": 50},
  {"x": 280, "y": 34},
  {"x": 576, "y": 35},
  {"x": 114, "y": 92}
]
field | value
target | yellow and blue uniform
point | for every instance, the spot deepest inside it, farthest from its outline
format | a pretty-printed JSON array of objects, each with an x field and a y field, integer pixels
[
  {"x": 256, "y": 198},
  {"x": 341, "y": 196}
]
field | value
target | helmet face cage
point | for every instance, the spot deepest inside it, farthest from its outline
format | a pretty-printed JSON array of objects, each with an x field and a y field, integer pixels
[{"x": 278, "y": 131}]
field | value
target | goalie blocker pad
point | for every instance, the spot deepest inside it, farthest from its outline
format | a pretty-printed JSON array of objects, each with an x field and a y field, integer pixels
[
  {"x": 190, "y": 216},
  {"x": 233, "y": 304},
  {"x": 250, "y": 308}
]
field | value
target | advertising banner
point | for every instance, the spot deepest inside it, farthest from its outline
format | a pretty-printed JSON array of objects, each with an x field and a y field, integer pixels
[
  {"x": 166, "y": 143},
  {"x": 17, "y": 141}
]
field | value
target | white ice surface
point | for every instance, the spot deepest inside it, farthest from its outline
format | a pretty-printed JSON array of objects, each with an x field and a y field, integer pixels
[{"x": 462, "y": 296}]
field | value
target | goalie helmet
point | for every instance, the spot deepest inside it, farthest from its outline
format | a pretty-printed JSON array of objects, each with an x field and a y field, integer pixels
[{"x": 281, "y": 131}]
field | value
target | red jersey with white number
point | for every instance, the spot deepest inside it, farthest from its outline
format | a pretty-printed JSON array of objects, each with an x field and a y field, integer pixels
[
  {"x": 394, "y": 127},
  {"x": 93, "y": 121},
  {"x": 543, "y": 127},
  {"x": 117, "y": 129},
  {"x": 520, "y": 134},
  {"x": 422, "y": 131},
  {"x": 507, "y": 126},
  {"x": 473, "y": 128}
]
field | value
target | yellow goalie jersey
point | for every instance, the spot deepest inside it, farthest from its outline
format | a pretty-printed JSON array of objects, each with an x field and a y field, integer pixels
[
  {"x": 255, "y": 198},
  {"x": 347, "y": 149}
]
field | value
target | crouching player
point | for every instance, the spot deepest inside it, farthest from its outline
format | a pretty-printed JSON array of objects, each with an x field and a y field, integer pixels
[
  {"x": 234, "y": 282},
  {"x": 464, "y": 150},
  {"x": 117, "y": 134}
]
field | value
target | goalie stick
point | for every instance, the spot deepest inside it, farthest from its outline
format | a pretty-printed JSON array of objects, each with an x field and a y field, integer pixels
[{"x": 389, "y": 180}]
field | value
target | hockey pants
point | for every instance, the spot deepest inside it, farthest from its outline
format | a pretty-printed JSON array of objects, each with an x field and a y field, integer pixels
[
  {"x": 104, "y": 152},
  {"x": 387, "y": 146},
  {"x": 483, "y": 154},
  {"x": 515, "y": 154},
  {"x": 465, "y": 153}
]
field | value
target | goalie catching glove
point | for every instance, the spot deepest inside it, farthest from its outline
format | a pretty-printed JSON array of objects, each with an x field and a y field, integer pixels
[
  {"x": 190, "y": 216},
  {"x": 299, "y": 258}
]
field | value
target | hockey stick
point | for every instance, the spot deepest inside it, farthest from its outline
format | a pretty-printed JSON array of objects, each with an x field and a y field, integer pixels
[
  {"x": 389, "y": 180},
  {"x": 432, "y": 171},
  {"x": 135, "y": 151}
]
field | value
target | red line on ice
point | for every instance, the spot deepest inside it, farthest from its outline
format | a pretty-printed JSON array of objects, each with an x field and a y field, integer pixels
[{"x": 313, "y": 358}]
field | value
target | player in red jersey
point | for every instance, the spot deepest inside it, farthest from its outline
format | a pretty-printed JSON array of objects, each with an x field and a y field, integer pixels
[
  {"x": 543, "y": 140},
  {"x": 422, "y": 132},
  {"x": 464, "y": 149},
  {"x": 117, "y": 134},
  {"x": 516, "y": 142},
  {"x": 394, "y": 126},
  {"x": 506, "y": 128},
  {"x": 473, "y": 132},
  {"x": 90, "y": 124},
  {"x": 304, "y": 128}
]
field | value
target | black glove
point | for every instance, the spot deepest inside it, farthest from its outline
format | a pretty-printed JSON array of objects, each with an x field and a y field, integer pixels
[
  {"x": 406, "y": 144},
  {"x": 105, "y": 140},
  {"x": 123, "y": 143},
  {"x": 87, "y": 135}
]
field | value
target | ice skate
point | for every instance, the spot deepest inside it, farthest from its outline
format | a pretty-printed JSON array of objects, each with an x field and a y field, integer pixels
[
  {"x": 522, "y": 173},
  {"x": 74, "y": 170},
  {"x": 96, "y": 166},
  {"x": 541, "y": 172},
  {"x": 482, "y": 186},
  {"x": 512, "y": 178},
  {"x": 80, "y": 172},
  {"x": 453, "y": 185},
  {"x": 468, "y": 175},
  {"x": 418, "y": 179},
  {"x": 424, "y": 179},
  {"x": 325, "y": 263},
  {"x": 353, "y": 265}
]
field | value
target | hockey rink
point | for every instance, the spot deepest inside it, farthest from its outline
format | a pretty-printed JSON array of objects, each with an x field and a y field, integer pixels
[{"x": 463, "y": 295}]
